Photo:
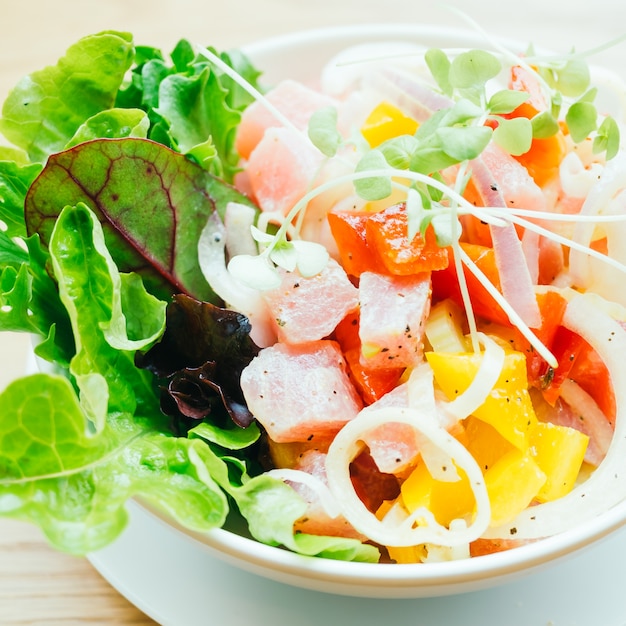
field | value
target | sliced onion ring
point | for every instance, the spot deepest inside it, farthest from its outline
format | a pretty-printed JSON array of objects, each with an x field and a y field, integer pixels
[
  {"x": 606, "y": 487},
  {"x": 347, "y": 445}
]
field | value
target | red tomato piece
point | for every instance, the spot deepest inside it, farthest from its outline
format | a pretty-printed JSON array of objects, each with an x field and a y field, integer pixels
[
  {"x": 349, "y": 231},
  {"x": 590, "y": 372},
  {"x": 387, "y": 233},
  {"x": 545, "y": 154},
  {"x": 551, "y": 307},
  {"x": 446, "y": 284},
  {"x": 371, "y": 383}
]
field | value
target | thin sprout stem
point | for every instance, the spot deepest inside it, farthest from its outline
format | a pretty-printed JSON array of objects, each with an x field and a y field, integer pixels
[
  {"x": 545, "y": 215},
  {"x": 515, "y": 319},
  {"x": 244, "y": 84},
  {"x": 571, "y": 244},
  {"x": 583, "y": 53},
  {"x": 457, "y": 253}
]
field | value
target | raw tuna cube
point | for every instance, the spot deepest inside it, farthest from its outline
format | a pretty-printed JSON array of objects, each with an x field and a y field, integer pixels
[
  {"x": 281, "y": 169},
  {"x": 295, "y": 101},
  {"x": 393, "y": 313},
  {"x": 392, "y": 446},
  {"x": 316, "y": 521},
  {"x": 300, "y": 392},
  {"x": 308, "y": 309}
]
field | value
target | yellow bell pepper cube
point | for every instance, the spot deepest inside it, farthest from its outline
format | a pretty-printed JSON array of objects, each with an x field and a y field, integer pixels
[
  {"x": 409, "y": 554},
  {"x": 447, "y": 501},
  {"x": 385, "y": 122},
  {"x": 483, "y": 442},
  {"x": 559, "y": 452},
  {"x": 508, "y": 407},
  {"x": 512, "y": 484}
]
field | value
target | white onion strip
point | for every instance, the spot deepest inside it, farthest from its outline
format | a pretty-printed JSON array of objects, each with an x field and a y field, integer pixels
[
  {"x": 241, "y": 298},
  {"x": 346, "y": 446},
  {"x": 597, "y": 426},
  {"x": 511, "y": 313},
  {"x": 612, "y": 180},
  {"x": 515, "y": 277},
  {"x": 326, "y": 499},
  {"x": 238, "y": 221},
  {"x": 606, "y": 487},
  {"x": 483, "y": 382}
]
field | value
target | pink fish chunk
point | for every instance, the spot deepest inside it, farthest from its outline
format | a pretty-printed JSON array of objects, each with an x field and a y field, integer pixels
[
  {"x": 393, "y": 313},
  {"x": 308, "y": 309},
  {"x": 300, "y": 392}
]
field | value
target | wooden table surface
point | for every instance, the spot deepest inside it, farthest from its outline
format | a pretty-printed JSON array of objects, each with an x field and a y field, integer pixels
[{"x": 37, "y": 584}]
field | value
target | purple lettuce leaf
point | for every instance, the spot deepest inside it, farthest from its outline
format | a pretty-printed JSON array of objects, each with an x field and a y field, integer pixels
[{"x": 200, "y": 358}]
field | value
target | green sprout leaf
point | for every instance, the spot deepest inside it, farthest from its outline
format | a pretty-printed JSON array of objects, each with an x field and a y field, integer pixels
[
  {"x": 284, "y": 255},
  {"x": 514, "y": 136},
  {"x": 473, "y": 69},
  {"x": 439, "y": 66},
  {"x": 574, "y": 78},
  {"x": 464, "y": 143},
  {"x": 608, "y": 138},
  {"x": 323, "y": 131},
  {"x": 399, "y": 151},
  {"x": 312, "y": 257},
  {"x": 581, "y": 120},
  {"x": 544, "y": 125},
  {"x": 374, "y": 187},
  {"x": 462, "y": 112},
  {"x": 414, "y": 212},
  {"x": 447, "y": 228},
  {"x": 506, "y": 101}
]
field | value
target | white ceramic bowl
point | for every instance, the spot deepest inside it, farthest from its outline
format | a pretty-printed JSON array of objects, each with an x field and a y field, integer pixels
[{"x": 301, "y": 56}]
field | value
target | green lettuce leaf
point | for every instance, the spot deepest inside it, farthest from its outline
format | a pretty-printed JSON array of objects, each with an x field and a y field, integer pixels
[
  {"x": 15, "y": 179},
  {"x": 30, "y": 302},
  {"x": 45, "y": 109},
  {"x": 270, "y": 508},
  {"x": 74, "y": 484},
  {"x": 112, "y": 124},
  {"x": 70, "y": 461},
  {"x": 90, "y": 288}
]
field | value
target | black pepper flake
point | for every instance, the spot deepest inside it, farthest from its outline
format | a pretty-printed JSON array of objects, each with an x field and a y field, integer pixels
[{"x": 513, "y": 531}]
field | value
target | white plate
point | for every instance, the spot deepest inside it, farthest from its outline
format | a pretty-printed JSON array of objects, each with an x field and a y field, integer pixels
[{"x": 177, "y": 582}]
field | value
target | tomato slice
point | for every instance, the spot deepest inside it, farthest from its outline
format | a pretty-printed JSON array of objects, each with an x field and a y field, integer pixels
[
  {"x": 378, "y": 242},
  {"x": 349, "y": 231},
  {"x": 552, "y": 306},
  {"x": 371, "y": 383},
  {"x": 446, "y": 284},
  {"x": 387, "y": 233}
]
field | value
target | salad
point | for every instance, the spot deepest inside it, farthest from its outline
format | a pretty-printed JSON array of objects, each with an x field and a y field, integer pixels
[{"x": 377, "y": 318}]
